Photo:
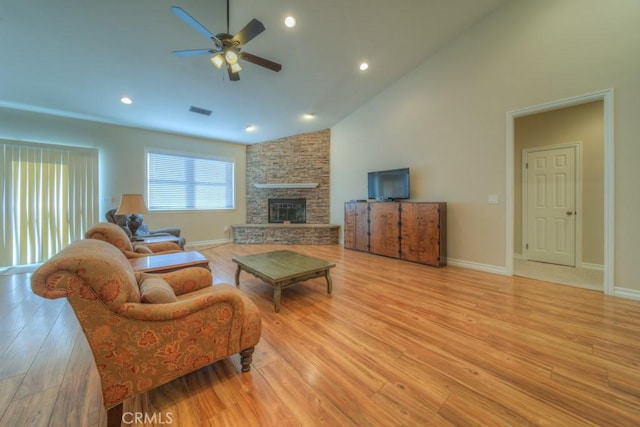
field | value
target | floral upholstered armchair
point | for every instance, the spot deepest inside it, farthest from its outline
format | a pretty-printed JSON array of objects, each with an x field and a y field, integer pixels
[
  {"x": 145, "y": 330},
  {"x": 112, "y": 233},
  {"x": 143, "y": 229}
]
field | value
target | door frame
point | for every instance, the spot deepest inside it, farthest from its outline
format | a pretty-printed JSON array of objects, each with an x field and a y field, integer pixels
[
  {"x": 577, "y": 146},
  {"x": 609, "y": 172}
]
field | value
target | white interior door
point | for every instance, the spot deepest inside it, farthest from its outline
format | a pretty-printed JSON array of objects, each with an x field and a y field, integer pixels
[{"x": 551, "y": 205}]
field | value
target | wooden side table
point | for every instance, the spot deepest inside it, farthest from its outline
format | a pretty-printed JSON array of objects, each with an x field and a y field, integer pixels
[{"x": 165, "y": 263}]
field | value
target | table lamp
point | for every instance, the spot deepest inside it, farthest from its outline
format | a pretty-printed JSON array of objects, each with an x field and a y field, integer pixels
[{"x": 132, "y": 204}]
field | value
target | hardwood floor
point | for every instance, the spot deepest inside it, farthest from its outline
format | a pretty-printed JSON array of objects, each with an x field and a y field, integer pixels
[{"x": 395, "y": 344}]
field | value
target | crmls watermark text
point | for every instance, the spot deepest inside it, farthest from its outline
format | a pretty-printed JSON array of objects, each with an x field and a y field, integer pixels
[{"x": 144, "y": 418}]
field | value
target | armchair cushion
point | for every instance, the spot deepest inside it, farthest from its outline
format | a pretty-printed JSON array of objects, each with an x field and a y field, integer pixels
[
  {"x": 155, "y": 290},
  {"x": 142, "y": 249}
]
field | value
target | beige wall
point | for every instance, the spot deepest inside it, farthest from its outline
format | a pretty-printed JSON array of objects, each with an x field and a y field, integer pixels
[
  {"x": 446, "y": 119},
  {"x": 122, "y": 160},
  {"x": 582, "y": 123}
]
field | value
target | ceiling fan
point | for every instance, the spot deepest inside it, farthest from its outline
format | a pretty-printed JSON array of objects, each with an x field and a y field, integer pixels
[{"x": 227, "y": 47}]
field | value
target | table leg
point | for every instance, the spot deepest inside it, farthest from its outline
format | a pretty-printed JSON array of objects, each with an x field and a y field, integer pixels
[
  {"x": 238, "y": 276},
  {"x": 329, "y": 282},
  {"x": 277, "y": 294}
]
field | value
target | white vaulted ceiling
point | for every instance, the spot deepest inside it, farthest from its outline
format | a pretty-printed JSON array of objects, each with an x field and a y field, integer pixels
[{"x": 77, "y": 58}]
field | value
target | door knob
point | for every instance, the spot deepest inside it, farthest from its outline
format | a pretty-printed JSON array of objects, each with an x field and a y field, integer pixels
[{"x": 569, "y": 213}]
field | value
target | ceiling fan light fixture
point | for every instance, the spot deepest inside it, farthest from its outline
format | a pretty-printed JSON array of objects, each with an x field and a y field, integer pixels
[
  {"x": 217, "y": 60},
  {"x": 228, "y": 46},
  {"x": 231, "y": 57},
  {"x": 126, "y": 100},
  {"x": 364, "y": 66},
  {"x": 250, "y": 128}
]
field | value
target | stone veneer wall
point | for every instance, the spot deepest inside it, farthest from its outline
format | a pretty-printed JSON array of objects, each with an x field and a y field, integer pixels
[
  {"x": 293, "y": 234},
  {"x": 292, "y": 160},
  {"x": 295, "y": 159}
]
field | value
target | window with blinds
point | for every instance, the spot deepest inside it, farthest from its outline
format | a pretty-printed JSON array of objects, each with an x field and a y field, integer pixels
[{"x": 189, "y": 182}]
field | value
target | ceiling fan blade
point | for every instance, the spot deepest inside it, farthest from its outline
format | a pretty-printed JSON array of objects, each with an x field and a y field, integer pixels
[
  {"x": 234, "y": 77},
  {"x": 194, "y": 52},
  {"x": 191, "y": 21},
  {"x": 273, "y": 66},
  {"x": 249, "y": 31}
]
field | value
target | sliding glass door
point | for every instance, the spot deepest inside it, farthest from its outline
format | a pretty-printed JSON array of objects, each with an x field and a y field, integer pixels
[{"x": 49, "y": 198}]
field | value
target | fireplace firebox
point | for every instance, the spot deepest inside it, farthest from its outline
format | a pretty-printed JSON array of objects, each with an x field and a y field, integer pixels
[{"x": 288, "y": 210}]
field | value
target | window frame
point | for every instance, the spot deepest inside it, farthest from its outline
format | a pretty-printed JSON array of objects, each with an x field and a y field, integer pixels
[{"x": 195, "y": 155}]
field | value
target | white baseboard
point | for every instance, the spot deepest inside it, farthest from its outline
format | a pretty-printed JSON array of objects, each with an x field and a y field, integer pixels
[
  {"x": 585, "y": 265},
  {"x": 477, "y": 266},
  {"x": 589, "y": 266},
  {"x": 626, "y": 293},
  {"x": 618, "y": 291}
]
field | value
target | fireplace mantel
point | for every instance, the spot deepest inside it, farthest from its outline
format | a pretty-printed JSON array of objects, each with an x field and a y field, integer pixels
[{"x": 287, "y": 185}]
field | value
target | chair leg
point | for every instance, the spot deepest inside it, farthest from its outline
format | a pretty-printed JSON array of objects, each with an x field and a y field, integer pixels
[
  {"x": 114, "y": 416},
  {"x": 246, "y": 357}
]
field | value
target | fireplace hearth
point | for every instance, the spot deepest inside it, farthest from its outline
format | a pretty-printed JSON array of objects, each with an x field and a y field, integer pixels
[{"x": 292, "y": 211}]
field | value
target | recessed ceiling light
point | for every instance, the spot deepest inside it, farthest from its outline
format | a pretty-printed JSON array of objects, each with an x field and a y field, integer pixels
[
  {"x": 309, "y": 116},
  {"x": 290, "y": 21},
  {"x": 364, "y": 66},
  {"x": 250, "y": 128},
  {"x": 126, "y": 100}
]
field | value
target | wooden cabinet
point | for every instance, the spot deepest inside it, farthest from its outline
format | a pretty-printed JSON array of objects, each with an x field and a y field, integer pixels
[
  {"x": 423, "y": 233},
  {"x": 384, "y": 229},
  {"x": 356, "y": 226},
  {"x": 413, "y": 231}
]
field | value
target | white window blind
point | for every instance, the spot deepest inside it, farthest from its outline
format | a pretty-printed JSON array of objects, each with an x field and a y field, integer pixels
[
  {"x": 183, "y": 182},
  {"x": 49, "y": 199}
]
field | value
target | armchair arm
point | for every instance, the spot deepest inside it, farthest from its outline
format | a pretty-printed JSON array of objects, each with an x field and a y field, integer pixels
[
  {"x": 133, "y": 254},
  {"x": 186, "y": 307},
  {"x": 161, "y": 246},
  {"x": 174, "y": 231}
]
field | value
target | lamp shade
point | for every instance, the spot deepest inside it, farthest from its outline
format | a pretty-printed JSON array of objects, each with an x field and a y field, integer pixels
[{"x": 132, "y": 204}]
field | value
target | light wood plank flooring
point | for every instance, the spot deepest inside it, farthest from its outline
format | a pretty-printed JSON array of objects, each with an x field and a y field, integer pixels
[{"x": 396, "y": 344}]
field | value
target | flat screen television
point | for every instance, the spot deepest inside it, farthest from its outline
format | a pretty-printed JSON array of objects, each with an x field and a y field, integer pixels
[{"x": 389, "y": 185}]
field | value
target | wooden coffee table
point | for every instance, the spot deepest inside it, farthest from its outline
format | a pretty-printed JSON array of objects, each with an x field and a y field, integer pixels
[
  {"x": 165, "y": 263},
  {"x": 282, "y": 269}
]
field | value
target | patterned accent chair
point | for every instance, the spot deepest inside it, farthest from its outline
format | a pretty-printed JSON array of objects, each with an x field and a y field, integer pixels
[
  {"x": 143, "y": 230},
  {"x": 140, "y": 345},
  {"x": 112, "y": 233}
]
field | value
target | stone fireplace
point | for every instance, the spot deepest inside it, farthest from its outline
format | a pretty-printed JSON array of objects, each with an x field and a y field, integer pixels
[
  {"x": 288, "y": 192},
  {"x": 287, "y": 211}
]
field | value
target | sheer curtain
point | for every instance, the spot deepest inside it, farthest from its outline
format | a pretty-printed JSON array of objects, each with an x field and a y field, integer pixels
[{"x": 49, "y": 198}]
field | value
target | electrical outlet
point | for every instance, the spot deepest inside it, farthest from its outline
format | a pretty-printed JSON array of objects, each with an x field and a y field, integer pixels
[
  {"x": 225, "y": 229},
  {"x": 493, "y": 199}
]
